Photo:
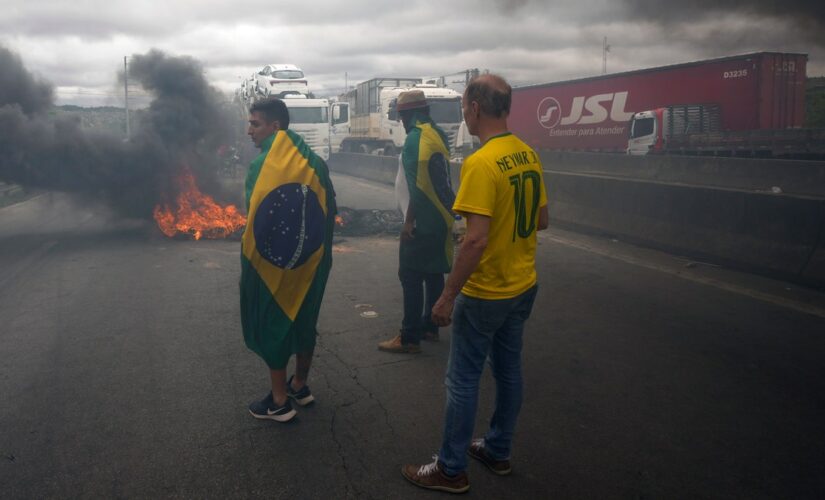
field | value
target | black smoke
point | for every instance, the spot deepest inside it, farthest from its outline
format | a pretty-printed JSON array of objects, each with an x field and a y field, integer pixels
[
  {"x": 18, "y": 86},
  {"x": 806, "y": 16},
  {"x": 184, "y": 126},
  {"x": 185, "y": 110}
]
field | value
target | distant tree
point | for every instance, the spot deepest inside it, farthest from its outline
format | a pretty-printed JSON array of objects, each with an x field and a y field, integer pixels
[{"x": 815, "y": 102}]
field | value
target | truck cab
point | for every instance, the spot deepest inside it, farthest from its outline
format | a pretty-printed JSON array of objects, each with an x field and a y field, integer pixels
[
  {"x": 322, "y": 124},
  {"x": 310, "y": 119},
  {"x": 645, "y": 132},
  {"x": 339, "y": 125},
  {"x": 376, "y": 125},
  {"x": 445, "y": 110},
  {"x": 665, "y": 130}
]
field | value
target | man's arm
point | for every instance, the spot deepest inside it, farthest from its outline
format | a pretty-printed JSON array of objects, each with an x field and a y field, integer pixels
[
  {"x": 544, "y": 218},
  {"x": 409, "y": 165},
  {"x": 469, "y": 255},
  {"x": 409, "y": 222}
]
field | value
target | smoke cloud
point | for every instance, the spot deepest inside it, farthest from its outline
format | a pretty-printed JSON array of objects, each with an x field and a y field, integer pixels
[
  {"x": 807, "y": 16},
  {"x": 183, "y": 126},
  {"x": 18, "y": 86}
]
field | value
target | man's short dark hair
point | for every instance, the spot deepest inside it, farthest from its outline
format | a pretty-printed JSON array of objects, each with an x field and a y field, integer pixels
[
  {"x": 492, "y": 94},
  {"x": 273, "y": 110}
]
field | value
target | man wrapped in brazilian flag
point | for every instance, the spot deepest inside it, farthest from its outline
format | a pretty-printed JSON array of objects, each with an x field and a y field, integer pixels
[
  {"x": 286, "y": 255},
  {"x": 426, "y": 249}
]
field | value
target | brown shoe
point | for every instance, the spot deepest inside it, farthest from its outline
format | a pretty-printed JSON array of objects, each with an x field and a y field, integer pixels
[
  {"x": 432, "y": 477},
  {"x": 477, "y": 451},
  {"x": 395, "y": 345},
  {"x": 430, "y": 336}
]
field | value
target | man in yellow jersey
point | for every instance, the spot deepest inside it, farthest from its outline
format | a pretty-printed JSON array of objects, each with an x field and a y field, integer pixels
[{"x": 492, "y": 288}]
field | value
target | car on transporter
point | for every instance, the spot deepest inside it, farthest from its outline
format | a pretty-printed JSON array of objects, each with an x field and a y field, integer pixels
[{"x": 276, "y": 80}]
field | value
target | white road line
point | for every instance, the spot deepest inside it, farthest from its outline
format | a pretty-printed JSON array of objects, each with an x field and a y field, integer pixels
[{"x": 720, "y": 284}]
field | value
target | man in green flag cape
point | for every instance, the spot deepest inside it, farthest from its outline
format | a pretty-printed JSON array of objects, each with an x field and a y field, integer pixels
[
  {"x": 286, "y": 255},
  {"x": 426, "y": 249}
]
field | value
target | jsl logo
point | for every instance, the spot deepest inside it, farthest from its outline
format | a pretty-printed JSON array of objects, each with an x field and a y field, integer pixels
[{"x": 549, "y": 112}]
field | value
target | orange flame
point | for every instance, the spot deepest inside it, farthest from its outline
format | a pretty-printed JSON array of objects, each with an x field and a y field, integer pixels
[{"x": 197, "y": 214}]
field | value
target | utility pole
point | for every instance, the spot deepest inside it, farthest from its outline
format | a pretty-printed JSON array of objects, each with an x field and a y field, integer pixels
[
  {"x": 605, "y": 50},
  {"x": 346, "y": 82},
  {"x": 126, "y": 96}
]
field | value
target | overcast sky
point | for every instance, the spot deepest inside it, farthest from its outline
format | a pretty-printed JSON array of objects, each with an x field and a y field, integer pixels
[{"x": 79, "y": 45}]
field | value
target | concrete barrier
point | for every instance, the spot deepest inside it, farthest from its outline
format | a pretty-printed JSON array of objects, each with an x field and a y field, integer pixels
[
  {"x": 777, "y": 234},
  {"x": 761, "y": 175},
  {"x": 376, "y": 168},
  {"x": 381, "y": 169},
  {"x": 772, "y": 234}
]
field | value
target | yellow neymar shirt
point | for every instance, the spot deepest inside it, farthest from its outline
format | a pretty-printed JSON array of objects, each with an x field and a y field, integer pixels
[{"x": 503, "y": 180}]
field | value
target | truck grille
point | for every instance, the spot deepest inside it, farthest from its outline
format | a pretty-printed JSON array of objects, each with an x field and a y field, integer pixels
[{"x": 451, "y": 131}]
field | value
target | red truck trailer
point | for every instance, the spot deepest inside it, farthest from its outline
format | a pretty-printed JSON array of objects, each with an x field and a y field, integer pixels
[{"x": 759, "y": 91}]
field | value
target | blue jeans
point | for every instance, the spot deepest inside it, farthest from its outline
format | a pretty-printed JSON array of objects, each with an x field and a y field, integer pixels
[{"x": 482, "y": 329}]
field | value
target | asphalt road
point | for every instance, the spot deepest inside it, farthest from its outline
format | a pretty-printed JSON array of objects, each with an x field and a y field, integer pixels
[{"x": 123, "y": 373}]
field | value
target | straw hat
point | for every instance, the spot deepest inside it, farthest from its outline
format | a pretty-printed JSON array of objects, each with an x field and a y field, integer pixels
[{"x": 411, "y": 99}]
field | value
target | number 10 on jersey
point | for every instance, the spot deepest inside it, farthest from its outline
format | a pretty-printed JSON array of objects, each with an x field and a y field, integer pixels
[{"x": 526, "y": 188}]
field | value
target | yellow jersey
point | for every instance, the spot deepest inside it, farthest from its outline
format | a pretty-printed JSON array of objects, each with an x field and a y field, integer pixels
[{"x": 504, "y": 181}]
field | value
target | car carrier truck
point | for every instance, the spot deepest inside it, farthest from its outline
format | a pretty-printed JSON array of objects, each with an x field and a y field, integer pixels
[{"x": 322, "y": 124}]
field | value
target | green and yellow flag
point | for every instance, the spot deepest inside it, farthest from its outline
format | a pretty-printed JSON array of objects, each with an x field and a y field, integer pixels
[
  {"x": 426, "y": 162},
  {"x": 286, "y": 248}
]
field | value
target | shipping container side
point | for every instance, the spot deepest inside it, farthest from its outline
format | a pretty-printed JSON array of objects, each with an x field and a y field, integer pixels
[
  {"x": 782, "y": 91},
  {"x": 593, "y": 114}
]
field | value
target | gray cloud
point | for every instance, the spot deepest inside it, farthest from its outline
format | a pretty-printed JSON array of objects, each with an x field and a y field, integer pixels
[
  {"x": 529, "y": 41},
  {"x": 805, "y": 18},
  {"x": 160, "y": 18},
  {"x": 510, "y": 6}
]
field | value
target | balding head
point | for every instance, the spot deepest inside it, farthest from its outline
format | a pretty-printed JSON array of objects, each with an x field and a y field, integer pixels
[{"x": 492, "y": 93}]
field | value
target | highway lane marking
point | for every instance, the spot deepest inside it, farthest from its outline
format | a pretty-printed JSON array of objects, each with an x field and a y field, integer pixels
[{"x": 720, "y": 284}]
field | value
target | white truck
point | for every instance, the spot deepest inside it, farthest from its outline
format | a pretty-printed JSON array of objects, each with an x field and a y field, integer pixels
[
  {"x": 376, "y": 128},
  {"x": 322, "y": 124},
  {"x": 315, "y": 120}
]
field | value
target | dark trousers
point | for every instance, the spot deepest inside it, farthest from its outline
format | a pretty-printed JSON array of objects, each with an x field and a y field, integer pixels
[{"x": 421, "y": 290}]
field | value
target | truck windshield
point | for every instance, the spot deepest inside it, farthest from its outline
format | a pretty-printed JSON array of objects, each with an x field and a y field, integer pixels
[
  {"x": 642, "y": 127},
  {"x": 288, "y": 74},
  {"x": 445, "y": 110},
  {"x": 308, "y": 115}
]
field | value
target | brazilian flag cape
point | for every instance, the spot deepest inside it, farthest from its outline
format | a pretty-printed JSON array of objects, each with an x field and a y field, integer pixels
[
  {"x": 286, "y": 251},
  {"x": 426, "y": 162}
]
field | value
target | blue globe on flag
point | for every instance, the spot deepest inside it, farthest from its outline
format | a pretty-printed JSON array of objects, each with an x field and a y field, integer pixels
[{"x": 289, "y": 225}]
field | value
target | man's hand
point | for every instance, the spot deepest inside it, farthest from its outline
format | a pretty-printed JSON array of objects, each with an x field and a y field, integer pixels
[
  {"x": 407, "y": 232},
  {"x": 469, "y": 255},
  {"x": 442, "y": 313}
]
